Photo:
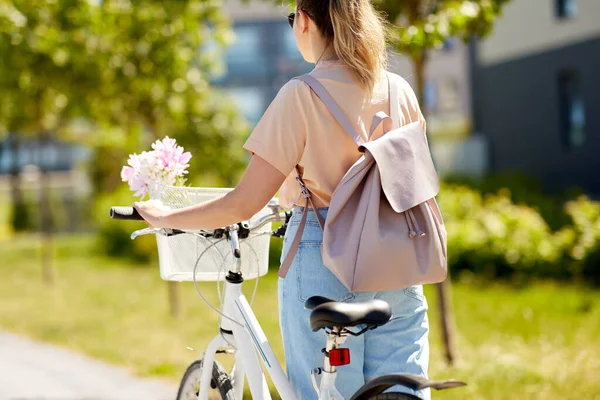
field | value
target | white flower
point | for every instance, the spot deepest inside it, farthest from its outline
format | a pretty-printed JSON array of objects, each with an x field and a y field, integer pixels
[{"x": 164, "y": 164}]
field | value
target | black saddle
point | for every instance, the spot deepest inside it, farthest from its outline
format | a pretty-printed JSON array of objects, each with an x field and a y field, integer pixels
[{"x": 327, "y": 313}]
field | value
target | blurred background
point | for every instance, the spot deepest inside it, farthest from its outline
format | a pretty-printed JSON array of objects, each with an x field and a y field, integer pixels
[{"x": 511, "y": 93}]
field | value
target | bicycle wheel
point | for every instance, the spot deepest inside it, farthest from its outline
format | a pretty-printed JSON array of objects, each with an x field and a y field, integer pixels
[
  {"x": 395, "y": 396},
  {"x": 220, "y": 384}
]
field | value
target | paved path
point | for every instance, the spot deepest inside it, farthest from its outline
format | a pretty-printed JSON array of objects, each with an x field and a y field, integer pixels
[{"x": 36, "y": 371}]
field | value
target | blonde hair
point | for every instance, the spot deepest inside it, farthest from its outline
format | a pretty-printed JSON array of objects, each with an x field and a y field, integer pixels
[{"x": 356, "y": 32}]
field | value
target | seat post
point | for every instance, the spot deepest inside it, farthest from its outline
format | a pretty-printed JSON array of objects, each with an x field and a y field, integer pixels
[
  {"x": 326, "y": 388},
  {"x": 334, "y": 339}
]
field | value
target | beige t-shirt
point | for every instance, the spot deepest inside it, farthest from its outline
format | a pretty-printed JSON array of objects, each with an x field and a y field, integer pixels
[{"x": 297, "y": 129}]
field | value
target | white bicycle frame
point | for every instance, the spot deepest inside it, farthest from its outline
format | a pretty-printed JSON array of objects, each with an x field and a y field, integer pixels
[
  {"x": 241, "y": 330},
  {"x": 251, "y": 343}
]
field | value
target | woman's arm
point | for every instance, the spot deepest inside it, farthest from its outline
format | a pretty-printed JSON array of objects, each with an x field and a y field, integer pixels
[{"x": 258, "y": 185}]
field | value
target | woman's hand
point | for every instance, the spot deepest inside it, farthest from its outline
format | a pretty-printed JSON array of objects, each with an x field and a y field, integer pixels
[{"x": 154, "y": 213}]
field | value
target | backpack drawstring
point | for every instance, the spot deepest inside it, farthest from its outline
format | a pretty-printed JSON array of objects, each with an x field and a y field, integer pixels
[{"x": 413, "y": 225}]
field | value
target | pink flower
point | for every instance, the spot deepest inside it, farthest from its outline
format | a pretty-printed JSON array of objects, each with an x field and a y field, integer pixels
[
  {"x": 164, "y": 164},
  {"x": 185, "y": 158},
  {"x": 126, "y": 173},
  {"x": 139, "y": 185}
]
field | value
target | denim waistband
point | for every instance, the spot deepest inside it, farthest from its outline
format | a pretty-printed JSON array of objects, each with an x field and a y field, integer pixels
[
  {"x": 297, "y": 212},
  {"x": 300, "y": 209}
]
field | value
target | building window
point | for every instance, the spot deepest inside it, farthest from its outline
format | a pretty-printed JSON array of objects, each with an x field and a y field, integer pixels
[
  {"x": 449, "y": 44},
  {"x": 572, "y": 109},
  {"x": 246, "y": 56},
  {"x": 566, "y": 9}
]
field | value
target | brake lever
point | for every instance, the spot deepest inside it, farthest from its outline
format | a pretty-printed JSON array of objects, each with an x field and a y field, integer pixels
[
  {"x": 161, "y": 231},
  {"x": 280, "y": 232},
  {"x": 275, "y": 208},
  {"x": 145, "y": 231}
]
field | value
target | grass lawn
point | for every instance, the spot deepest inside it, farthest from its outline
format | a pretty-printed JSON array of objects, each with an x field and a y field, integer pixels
[{"x": 538, "y": 342}]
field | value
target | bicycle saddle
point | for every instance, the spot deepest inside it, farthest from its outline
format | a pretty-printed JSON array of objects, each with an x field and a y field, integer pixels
[{"x": 327, "y": 313}]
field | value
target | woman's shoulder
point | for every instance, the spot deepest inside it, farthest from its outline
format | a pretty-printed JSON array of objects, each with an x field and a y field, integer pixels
[
  {"x": 405, "y": 90},
  {"x": 402, "y": 83},
  {"x": 294, "y": 88},
  {"x": 291, "y": 96}
]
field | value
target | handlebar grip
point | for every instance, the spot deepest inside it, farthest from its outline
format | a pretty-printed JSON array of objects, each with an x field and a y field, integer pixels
[{"x": 125, "y": 213}]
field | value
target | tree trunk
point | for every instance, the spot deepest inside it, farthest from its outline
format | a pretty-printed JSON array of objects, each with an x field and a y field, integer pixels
[
  {"x": 46, "y": 213},
  {"x": 443, "y": 289},
  {"x": 20, "y": 218},
  {"x": 419, "y": 62},
  {"x": 173, "y": 287},
  {"x": 447, "y": 320},
  {"x": 174, "y": 299}
]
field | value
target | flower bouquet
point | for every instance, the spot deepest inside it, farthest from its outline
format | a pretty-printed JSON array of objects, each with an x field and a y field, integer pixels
[{"x": 165, "y": 165}]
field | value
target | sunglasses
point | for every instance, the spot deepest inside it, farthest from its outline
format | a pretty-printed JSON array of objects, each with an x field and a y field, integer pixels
[{"x": 291, "y": 17}]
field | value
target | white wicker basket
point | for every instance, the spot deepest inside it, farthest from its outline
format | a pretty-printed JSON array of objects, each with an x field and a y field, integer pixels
[{"x": 178, "y": 254}]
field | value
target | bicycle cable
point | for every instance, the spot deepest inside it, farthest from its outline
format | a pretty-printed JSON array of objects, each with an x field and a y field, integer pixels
[
  {"x": 196, "y": 282},
  {"x": 221, "y": 294}
]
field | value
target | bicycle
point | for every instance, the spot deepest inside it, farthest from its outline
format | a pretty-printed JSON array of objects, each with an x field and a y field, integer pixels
[{"x": 240, "y": 333}]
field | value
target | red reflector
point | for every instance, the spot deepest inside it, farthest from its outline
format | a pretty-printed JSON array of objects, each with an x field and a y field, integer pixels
[{"x": 339, "y": 357}]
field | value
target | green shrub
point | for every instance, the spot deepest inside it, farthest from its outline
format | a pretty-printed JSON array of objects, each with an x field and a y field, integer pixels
[
  {"x": 24, "y": 217},
  {"x": 114, "y": 236},
  {"x": 523, "y": 189},
  {"x": 490, "y": 235},
  {"x": 493, "y": 236},
  {"x": 583, "y": 257},
  {"x": 69, "y": 212}
]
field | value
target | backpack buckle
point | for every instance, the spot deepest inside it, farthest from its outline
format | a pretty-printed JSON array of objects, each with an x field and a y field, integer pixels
[{"x": 303, "y": 187}]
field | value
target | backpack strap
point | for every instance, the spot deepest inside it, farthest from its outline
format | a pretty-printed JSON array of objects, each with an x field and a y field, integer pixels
[
  {"x": 289, "y": 258},
  {"x": 333, "y": 107},
  {"x": 391, "y": 121},
  {"x": 394, "y": 100},
  {"x": 378, "y": 119}
]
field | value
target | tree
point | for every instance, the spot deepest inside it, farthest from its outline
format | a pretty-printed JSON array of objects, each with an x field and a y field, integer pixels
[
  {"x": 156, "y": 61},
  {"x": 114, "y": 75},
  {"x": 417, "y": 27},
  {"x": 41, "y": 44}
]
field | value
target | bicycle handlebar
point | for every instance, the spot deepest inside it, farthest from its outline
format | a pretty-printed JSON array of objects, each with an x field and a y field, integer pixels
[
  {"x": 131, "y": 214},
  {"x": 125, "y": 213}
]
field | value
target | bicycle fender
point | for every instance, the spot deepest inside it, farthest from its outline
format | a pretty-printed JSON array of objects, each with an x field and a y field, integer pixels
[{"x": 411, "y": 381}]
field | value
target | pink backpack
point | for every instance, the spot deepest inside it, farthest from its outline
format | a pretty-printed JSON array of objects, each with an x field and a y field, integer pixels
[{"x": 384, "y": 229}]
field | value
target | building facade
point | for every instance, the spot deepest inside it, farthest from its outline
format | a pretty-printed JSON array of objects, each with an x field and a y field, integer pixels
[{"x": 536, "y": 92}]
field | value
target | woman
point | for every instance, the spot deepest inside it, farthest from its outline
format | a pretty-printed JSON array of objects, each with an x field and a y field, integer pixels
[{"x": 346, "y": 42}]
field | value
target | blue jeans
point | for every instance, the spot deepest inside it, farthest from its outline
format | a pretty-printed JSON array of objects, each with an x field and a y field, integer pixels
[{"x": 399, "y": 346}]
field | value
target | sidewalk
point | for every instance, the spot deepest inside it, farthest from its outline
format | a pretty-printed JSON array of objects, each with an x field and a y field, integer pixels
[{"x": 37, "y": 371}]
